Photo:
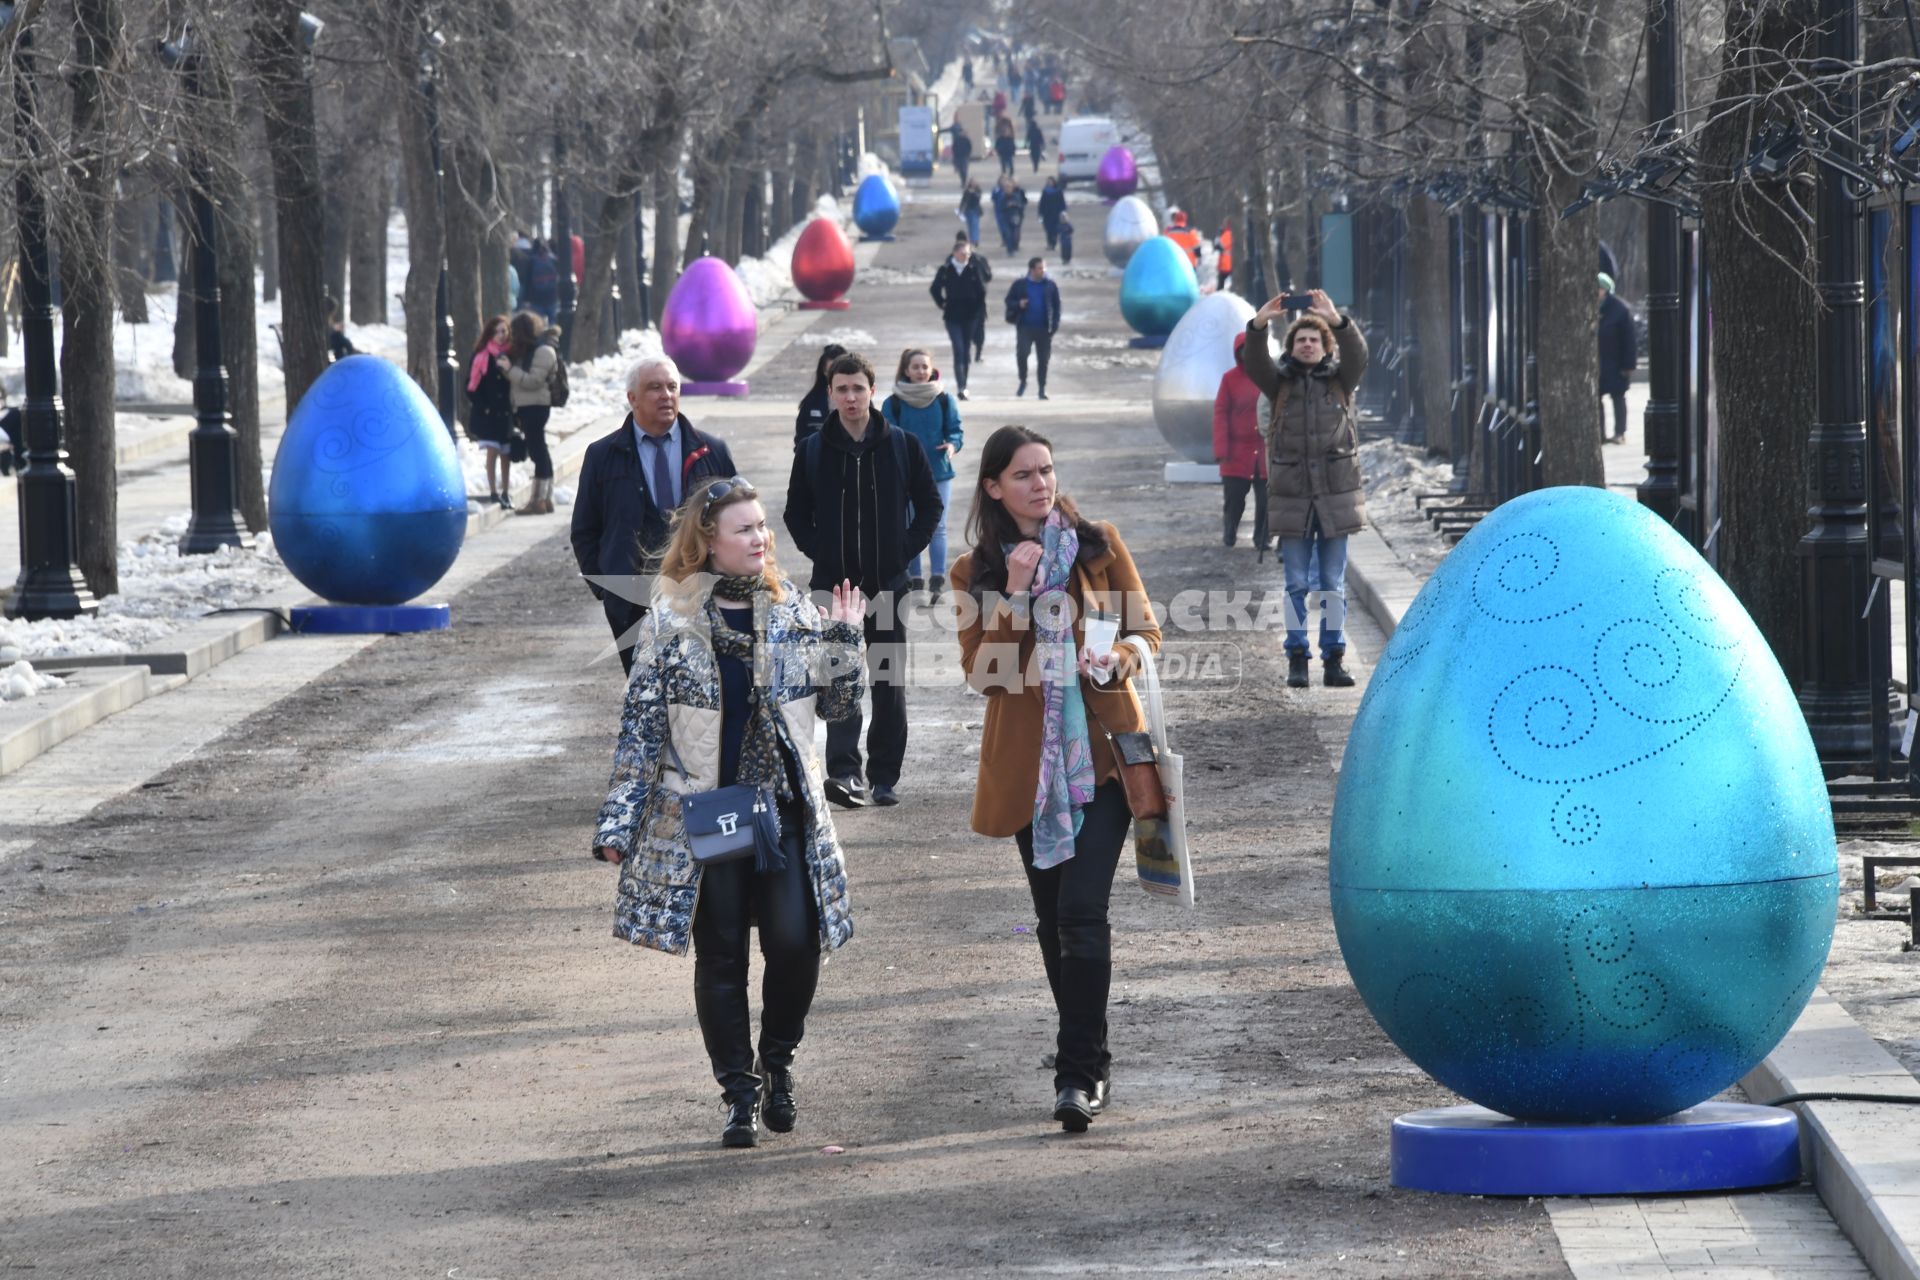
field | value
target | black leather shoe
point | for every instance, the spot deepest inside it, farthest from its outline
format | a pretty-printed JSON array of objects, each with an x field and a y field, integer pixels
[
  {"x": 743, "y": 1123},
  {"x": 1296, "y": 676},
  {"x": 1335, "y": 676},
  {"x": 1096, "y": 1101},
  {"x": 1073, "y": 1109},
  {"x": 883, "y": 795},
  {"x": 781, "y": 1110},
  {"x": 845, "y": 793}
]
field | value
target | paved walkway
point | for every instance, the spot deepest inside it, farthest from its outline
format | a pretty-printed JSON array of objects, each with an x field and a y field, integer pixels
[{"x": 1777, "y": 1235}]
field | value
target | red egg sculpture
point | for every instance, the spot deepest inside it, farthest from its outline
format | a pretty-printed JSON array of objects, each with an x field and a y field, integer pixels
[{"x": 823, "y": 266}]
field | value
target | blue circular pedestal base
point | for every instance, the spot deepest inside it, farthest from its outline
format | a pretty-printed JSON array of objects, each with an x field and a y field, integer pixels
[
  {"x": 697, "y": 388},
  {"x": 363, "y": 619},
  {"x": 1716, "y": 1146},
  {"x": 1149, "y": 341}
]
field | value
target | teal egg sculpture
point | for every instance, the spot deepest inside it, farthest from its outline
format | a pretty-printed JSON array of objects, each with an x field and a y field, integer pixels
[
  {"x": 1158, "y": 287},
  {"x": 876, "y": 206},
  {"x": 1582, "y": 863},
  {"x": 367, "y": 502}
]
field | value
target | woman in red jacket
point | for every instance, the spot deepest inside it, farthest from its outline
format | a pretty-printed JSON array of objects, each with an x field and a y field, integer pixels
[{"x": 1240, "y": 450}]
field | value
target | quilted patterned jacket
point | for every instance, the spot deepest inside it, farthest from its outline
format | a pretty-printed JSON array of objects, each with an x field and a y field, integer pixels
[{"x": 816, "y": 670}]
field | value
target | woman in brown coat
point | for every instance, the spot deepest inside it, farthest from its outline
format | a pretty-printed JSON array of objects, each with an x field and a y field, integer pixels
[
  {"x": 1048, "y": 776},
  {"x": 1313, "y": 466}
]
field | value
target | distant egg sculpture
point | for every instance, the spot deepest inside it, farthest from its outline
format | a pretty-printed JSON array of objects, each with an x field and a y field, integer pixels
[
  {"x": 1582, "y": 865},
  {"x": 710, "y": 328},
  {"x": 1118, "y": 174},
  {"x": 876, "y": 207},
  {"x": 1198, "y": 354},
  {"x": 367, "y": 502},
  {"x": 1157, "y": 290},
  {"x": 823, "y": 266},
  {"x": 1130, "y": 224}
]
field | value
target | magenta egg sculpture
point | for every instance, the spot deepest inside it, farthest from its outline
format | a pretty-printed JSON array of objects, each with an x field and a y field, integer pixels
[
  {"x": 1118, "y": 174},
  {"x": 823, "y": 266},
  {"x": 709, "y": 327}
]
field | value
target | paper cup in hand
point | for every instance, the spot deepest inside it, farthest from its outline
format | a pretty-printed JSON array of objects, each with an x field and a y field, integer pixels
[{"x": 1102, "y": 629}]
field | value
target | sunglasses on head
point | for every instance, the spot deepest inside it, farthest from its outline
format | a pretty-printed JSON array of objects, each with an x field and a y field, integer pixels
[{"x": 721, "y": 488}]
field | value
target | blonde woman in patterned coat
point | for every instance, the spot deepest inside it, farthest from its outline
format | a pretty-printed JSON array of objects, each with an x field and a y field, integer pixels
[{"x": 732, "y": 667}]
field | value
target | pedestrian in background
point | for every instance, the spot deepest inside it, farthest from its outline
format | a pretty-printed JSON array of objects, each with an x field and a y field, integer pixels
[
  {"x": 1065, "y": 229},
  {"x": 1036, "y": 142},
  {"x": 962, "y": 154},
  {"x": 533, "y": 353},
  {"x": 490, "y": 408},
  {"x": 1009, "y": 211},
  {"x": 1048, "y": 776},
  {"x": 816, "y": 404},
  {"x": 1223, "y": 257},
  {"x": 1241, "y": 450},
  {"x": 969, "y": 209},
  {"x": 1033, "y": 308},
  {"x": 1618, "y": 356},
  {"x": 735, "y": 666},
  {"x": 959, "y": 289},
  {"x": 1004, "y": 145},
  {"x": 1053, "y": 203},
  {"x": 540, "y": 283},
  {"x": 922, "y": 408}
]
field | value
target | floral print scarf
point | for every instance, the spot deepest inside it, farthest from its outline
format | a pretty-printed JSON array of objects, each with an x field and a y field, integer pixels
[{"x": 1066, "y": 760}]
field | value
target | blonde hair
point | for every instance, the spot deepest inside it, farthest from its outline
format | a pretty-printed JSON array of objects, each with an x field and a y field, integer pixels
[{"x": 690, "y": 544}]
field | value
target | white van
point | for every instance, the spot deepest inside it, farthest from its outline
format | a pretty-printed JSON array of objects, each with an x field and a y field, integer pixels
[{"x": 1083, "y": 140}]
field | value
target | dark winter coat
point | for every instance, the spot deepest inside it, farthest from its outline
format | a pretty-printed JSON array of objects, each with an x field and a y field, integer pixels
[
  {"x": 1617, "y": 348},
  {"x": 962, "y": 295},
  {"x": 1010, "y": 207},
  {"x": 814, "y": 408},
  {"x": 1049, "y": 317},
  {"x": 614, "y": 517},
  {"x": 490, "y": 407},
  {"x": 848, "y": 504},
  {"x": 815, "y": 673},
  {"x": 1053, "y": 202},
  {"x": 962, "y": 148},
  {"x": 540, "y": 282},
  {"x": 1313, "y": 455}
]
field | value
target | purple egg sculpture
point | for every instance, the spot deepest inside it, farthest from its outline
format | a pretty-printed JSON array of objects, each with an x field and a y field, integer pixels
[
  {"x": 710, "y": 328},
  {"x": 1118, "y": 175}
]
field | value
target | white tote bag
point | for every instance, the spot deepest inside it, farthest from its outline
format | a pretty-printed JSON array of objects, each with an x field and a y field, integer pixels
[{"x": 1160, "y": 851}]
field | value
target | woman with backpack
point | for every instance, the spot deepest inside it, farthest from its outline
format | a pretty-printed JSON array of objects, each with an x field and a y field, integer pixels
[
  {"x": 533, "y": 353},
  {"x": 923, "y": 409},
  {"x": 816, "y": 404},
  {"x": 490, "y": 407},
  {"x": 1313, "y": 466}
]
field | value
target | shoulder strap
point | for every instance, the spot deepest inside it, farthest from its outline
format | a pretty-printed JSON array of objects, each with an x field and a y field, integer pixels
[{"x": 1150, "y": 683}]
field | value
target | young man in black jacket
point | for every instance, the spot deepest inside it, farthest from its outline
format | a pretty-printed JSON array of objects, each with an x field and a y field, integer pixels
[
  {"x": 960, "y": 291},
  {"x": 631, "y": 483},
  {"x": 861, "y": 504}
]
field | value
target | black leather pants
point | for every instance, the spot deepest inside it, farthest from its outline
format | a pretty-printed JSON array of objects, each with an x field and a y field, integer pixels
[{"x": 733, "y": 897}]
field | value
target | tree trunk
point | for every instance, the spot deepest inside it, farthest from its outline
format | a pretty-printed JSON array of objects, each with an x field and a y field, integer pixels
[
  {"x": 1559, "y": 82},
  {"x": 1763, "y": 373},
  {"x": 366, "y": 211},
  {"x": 467, "y": 188},
  {"x": 705, "y": 188},
  {"x": 237, "y": 252},
  {"x": 269, "y": 239},
  {"x": 336, "y": 227},
  {"x": 133, "y": 247},
  {"x": 426, "y": 235},
  {"x": 666, "y": 236},
  {"x": 297, "y": 211},
  {"x": 87, "y": 280},
  {"x": 626, "y": 264},
  {"x": 601, "y": 220},
  {"x": 1431, "y": 313}
]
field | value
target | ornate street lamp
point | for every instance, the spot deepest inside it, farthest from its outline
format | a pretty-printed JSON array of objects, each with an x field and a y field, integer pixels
[
  {"x": 50, "y": 584},
  {"x": 213, "y": 447}
]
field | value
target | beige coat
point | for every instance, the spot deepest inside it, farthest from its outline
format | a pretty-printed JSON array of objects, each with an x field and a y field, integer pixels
[
  {"x": 1313, "y": 464},
  {"x": 531, "y": 385}
]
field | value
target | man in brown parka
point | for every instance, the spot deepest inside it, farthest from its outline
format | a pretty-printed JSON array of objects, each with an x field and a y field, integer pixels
[{"x": 1313, "y": 466}]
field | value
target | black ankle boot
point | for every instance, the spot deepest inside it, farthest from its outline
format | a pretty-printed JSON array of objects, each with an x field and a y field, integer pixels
[
  {"x": 1229, "y": 530},
  {"x": 742, "y": 1128},
  {"x": 781, "y": 1110},
  {"x": 1296, "y": 671},
  {"x": 1333, "y": 675}
]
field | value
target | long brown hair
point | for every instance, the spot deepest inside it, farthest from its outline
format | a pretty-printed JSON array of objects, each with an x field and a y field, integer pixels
[
  {"x": 523, "y": 336},
  {"x": 486, "y": 332},
  {"x": 695, "y": 524},
  {"x": 989, "y": 527},
  {"x": 906, "y": 358}
]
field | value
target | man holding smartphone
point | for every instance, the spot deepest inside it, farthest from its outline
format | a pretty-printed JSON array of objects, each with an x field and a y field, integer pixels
[{"x": 1313, "y": 464}]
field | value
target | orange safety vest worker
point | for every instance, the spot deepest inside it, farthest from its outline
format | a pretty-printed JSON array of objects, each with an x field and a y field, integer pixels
[
  {"x": 1184, "y": 236},
  {"x": 1224, "y": 244}
]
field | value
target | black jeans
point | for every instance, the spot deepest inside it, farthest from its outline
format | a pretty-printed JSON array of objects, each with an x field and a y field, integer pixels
[
  {"x": 533, "y": 425},
  {"x": 960, "y": 334},
  {"x": 1038, "y": 341},
  {"x": 887, "y": 735},
  {"x": 1619, "y": 399},
  {"x": 1075, "y": 941},
  {"x": 623, "y": 616},
  {"x": 1233, "y": 490},
  {"x": 734, "y": 896}
]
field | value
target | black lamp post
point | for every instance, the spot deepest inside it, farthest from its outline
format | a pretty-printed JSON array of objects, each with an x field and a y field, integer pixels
[
  {"x": 563, "y": 244},
  {"x": 1660, "y": 491},
  {"x": 213, "y": 450},
  {"x": 1835, "y": 573},
  {"x": 50, "y": 584},
  {"x": 430, "y": 43}
]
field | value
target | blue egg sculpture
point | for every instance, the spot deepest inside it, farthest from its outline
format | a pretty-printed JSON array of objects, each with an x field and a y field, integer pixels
[
  {"x": 876, "y": 207},
  {"x": 1158, "y": 287},
  {"x": 1583, "y": 862},
  {"x": 367, "y": 502}
]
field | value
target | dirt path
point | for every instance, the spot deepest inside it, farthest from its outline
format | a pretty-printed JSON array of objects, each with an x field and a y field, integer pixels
[{"x": 337, "y": 996}]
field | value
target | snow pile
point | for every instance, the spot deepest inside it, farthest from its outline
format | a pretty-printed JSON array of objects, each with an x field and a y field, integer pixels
[
  {"x": 1395, "y": 472},
  {"x": 20, "y": 680},
  {"x": 161, "y": 591}
]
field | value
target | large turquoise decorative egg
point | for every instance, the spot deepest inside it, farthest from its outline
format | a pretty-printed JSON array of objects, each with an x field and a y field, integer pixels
[
  {"x": 1583, "y": 862},
  {"x": 1158, "y": 287},
  {"x": 367, "y": 503}
]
